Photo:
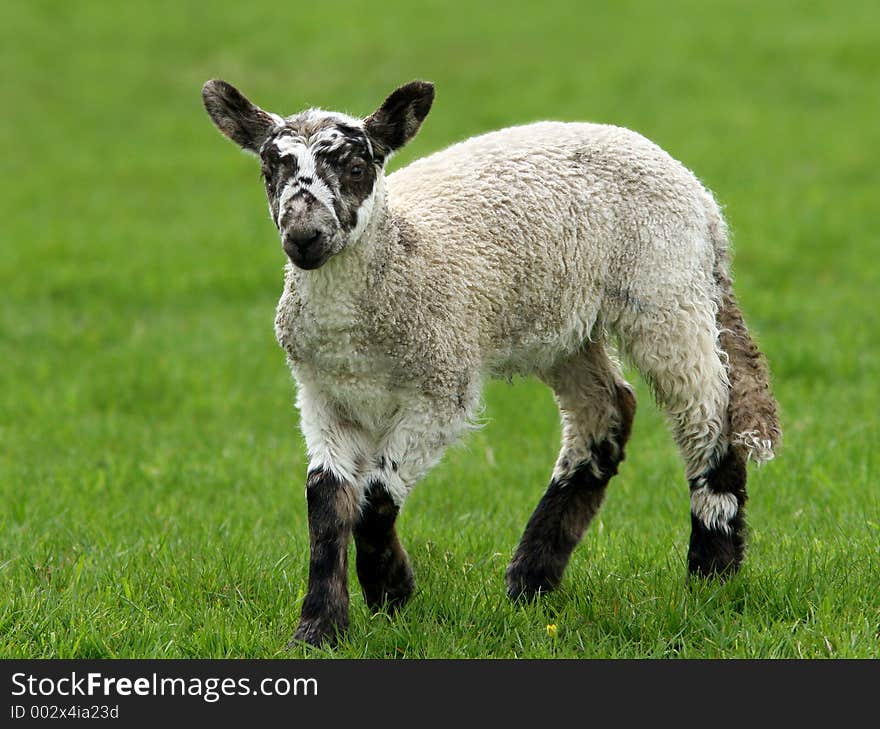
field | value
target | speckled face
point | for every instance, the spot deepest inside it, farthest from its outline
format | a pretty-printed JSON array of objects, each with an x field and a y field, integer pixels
[
  {"x": 320, "y": 168},
  {"x": 320, "y": 171}
]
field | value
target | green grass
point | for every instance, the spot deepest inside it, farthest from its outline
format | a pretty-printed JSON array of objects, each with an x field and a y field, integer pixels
[{"x": 151, "y": 470}]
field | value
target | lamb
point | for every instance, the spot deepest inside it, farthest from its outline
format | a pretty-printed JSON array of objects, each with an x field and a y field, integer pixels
[{"x": 534, "y": 250}]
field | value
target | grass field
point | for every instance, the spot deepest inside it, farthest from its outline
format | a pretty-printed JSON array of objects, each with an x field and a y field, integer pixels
[{"x": 151, "y": 469}]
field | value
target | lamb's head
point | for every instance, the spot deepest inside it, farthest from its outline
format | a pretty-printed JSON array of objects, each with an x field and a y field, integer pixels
[{"x": 322, "y": 170}]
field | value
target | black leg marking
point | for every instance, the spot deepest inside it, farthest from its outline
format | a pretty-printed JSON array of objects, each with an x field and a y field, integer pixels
[
  {"x": 553, "y": 532},
  {"x": 382, "y": 565},
  {"x": 715, "y": 550},
  {"x": 565, "y": 512},
  {"x": 332, "y": 508}
]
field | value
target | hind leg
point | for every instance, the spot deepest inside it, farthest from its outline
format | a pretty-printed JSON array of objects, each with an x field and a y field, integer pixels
[
  {"x": 718, "y": 527},
  {"x": 597, "y": 408},
  {"x": 680, "y": 357}
]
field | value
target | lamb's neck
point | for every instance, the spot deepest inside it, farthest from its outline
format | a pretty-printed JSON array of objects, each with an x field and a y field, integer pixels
[{"x": 347, "y": 275}]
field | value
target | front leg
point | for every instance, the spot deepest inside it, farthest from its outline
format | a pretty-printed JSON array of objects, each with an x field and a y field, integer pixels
[
  {"x": 382, "y": 565},
  {"x": 332, "y": 506},
  {"x": 414, "y": 443},
  {"x": 333, "y": 494}
]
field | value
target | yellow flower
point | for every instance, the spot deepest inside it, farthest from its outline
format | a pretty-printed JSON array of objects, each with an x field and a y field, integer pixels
[{"x": 551, "y": 630}]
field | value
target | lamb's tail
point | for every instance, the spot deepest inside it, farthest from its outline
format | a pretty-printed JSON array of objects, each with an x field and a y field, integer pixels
[{"x": 754, "y": 421}]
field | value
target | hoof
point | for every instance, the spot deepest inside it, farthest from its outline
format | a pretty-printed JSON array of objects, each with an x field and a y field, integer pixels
[
  {"x": 712, "y": 568},
  {"x": 321, "y": 632},
  {"x": 527, "y": 584},
  {"x": 392, "y": 593},
  {"x": 714, "y": 552}
]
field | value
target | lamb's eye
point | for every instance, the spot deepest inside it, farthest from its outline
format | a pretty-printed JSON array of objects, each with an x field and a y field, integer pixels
[{"x": 356, "y": 171}]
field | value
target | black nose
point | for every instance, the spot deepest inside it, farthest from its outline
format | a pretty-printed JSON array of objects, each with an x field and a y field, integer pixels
[{"x": 302, "y": 240}]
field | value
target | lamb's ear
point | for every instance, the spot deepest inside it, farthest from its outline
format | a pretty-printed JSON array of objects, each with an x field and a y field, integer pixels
[
  {"x": 243, "y": 122},
  {"x": 398, "y": 119}
]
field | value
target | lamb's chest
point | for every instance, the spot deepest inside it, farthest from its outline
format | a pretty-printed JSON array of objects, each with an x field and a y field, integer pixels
[
  {"x": 333, "y": 355},
  {"x": 332, "y": 345}
]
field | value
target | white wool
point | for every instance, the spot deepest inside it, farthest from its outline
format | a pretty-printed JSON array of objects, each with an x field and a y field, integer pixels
[
  {"x": 515, "y": 252},
  {"x": 759, "y": 449},
  {"x": 715, "y": 510}
]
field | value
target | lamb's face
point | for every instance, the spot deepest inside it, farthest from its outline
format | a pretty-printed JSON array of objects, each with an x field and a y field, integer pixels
[{"x": 322, "y": 170}]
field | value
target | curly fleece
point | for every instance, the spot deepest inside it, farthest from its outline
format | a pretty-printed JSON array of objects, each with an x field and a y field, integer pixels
[{"x": 519, "y": 252}]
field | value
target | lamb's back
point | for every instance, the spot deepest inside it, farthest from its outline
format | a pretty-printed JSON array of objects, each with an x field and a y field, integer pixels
[
  {"x": 531, "y": 230},
  {"x": 541, "y": 182}
]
